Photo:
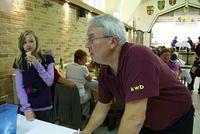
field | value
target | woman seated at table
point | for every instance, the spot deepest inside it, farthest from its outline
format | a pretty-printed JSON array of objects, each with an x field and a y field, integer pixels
[
  {"x": 195, "y": 72},
  {"x": 78, "y": 73},
  {"x": 58, "y": 78},
  {"x": 165, "y": 55}
]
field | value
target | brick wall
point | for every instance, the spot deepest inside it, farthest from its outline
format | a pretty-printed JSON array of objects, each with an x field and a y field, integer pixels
[{"x": 58, "y": 27}]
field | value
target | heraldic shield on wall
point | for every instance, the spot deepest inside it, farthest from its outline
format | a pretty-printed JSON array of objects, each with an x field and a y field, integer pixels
[
  {"x": 150, "y": 10},
  {"x": 161, "y": 4},
  {"x": 172, "y": 2}
]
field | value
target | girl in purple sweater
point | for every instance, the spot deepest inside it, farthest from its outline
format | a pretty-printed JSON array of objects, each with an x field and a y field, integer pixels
[{"x": 34, "y": 76}]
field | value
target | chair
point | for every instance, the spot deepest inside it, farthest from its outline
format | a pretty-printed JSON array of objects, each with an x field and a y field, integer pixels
[{"x": 67, "y": 106}]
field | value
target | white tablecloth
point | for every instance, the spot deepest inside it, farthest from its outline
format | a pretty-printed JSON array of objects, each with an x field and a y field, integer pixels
[
  {"x": 39, "y": 127},
  {"x": 183, "y": 44}
]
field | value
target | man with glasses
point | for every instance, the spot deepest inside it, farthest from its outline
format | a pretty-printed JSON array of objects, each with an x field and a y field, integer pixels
[{"x": 155, "y": 101}]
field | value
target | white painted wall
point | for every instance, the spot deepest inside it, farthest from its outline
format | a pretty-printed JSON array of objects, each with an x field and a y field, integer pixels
[
  {"x": 126, "y": 9},
  {"x": 143, "y": 21},
  {"x": 195, "y": 2},
  {"x": 98, "y": 4}
]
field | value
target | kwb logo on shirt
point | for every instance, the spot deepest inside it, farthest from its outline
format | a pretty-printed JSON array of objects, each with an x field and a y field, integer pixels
[{"x": 137, "y": 88}]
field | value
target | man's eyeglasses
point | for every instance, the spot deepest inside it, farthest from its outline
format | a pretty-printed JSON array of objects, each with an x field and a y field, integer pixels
[{"x": 91, "y": 40}]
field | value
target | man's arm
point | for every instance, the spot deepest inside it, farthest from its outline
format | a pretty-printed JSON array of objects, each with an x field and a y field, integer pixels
[
  {"x": 98, "y": 116},
  {"x": 133, "y": 117}
]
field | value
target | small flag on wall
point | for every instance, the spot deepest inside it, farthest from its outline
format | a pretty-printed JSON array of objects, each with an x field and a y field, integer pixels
[
  {"x": 150, "y": 10},
  {"x": 161, "y": 4},
  {"x": 172, "y": 2}
]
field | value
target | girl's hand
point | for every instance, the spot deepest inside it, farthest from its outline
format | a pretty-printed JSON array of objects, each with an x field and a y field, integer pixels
[
  {"x": 30, "y": 116},
  {"x": 30, "y": 58}
]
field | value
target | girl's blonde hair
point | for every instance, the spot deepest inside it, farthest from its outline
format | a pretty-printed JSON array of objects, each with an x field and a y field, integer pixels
[{"x": 22, "y": 53}]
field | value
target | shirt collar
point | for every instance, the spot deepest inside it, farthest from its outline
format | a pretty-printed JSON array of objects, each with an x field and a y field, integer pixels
[{"x": 121, "y": 57}]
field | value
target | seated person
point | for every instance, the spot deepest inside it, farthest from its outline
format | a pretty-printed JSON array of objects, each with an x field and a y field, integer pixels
[
  {"x": 78, "y": 73},
  {"x": 57, "y": 77},
  {"x": 165, "y": 55},
  {"x": 91, "y": 66},
  {"x": 183, "y": 73},
  {"x": 174, "y": 58},
  {"x": 195, "y": 72},
  {"x": 156, "y": 51}
]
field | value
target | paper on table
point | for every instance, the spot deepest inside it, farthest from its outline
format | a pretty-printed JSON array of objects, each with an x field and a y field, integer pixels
[{"x": 39, "y": 127}]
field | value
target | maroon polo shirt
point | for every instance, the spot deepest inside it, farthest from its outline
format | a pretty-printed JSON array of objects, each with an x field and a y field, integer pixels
[{"x": 142, "y": 74}]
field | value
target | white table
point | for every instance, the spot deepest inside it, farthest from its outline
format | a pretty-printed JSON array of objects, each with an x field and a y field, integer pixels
[{"x": 39, "y": 127}]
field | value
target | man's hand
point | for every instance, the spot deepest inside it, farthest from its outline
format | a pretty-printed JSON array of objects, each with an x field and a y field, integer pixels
[
  {"x": 30, "y": 116},
  {"x": 98, "y": 116}
]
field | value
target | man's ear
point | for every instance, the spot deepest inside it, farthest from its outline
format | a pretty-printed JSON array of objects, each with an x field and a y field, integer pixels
[{"x": 114, "y": 42}]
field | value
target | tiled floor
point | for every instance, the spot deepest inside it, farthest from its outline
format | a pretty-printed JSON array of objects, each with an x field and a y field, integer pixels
[{"x": 196, "y": 101}]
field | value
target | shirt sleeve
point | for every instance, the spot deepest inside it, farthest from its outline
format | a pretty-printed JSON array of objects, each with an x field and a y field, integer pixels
[
  {"x": 175, "y": 67},
  {"x": 46, "y": 75},
  {"x": 85, "y": 71},
  {"x": 141, "y": 81},
  {"x": 23, "y": 98}
]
